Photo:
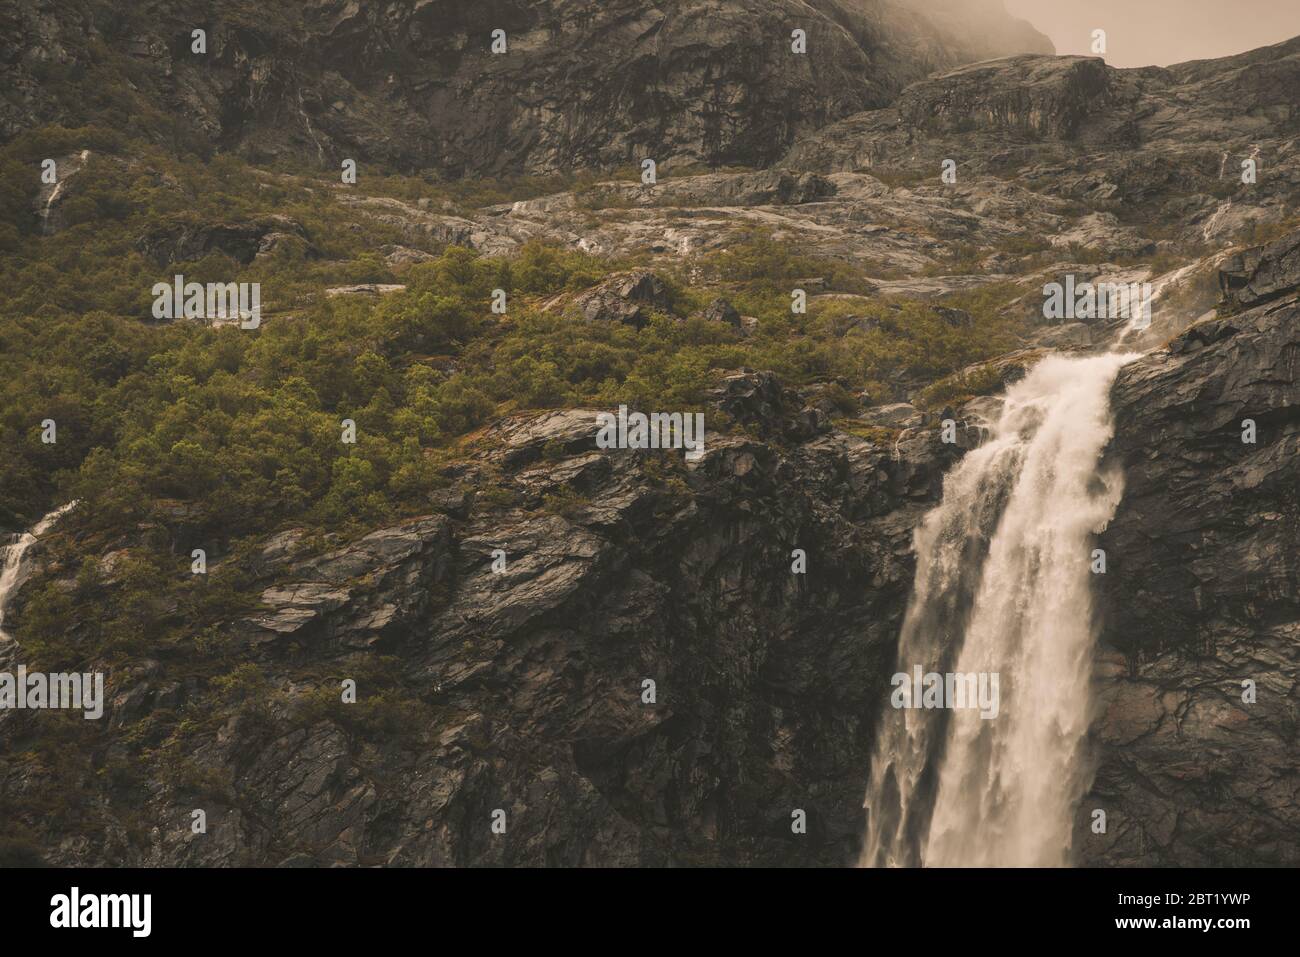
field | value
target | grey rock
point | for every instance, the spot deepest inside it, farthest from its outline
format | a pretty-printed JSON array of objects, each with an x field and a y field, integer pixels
[
  {"x": 760, "y": 401},
  {"x": 372, "y": 290},
  {"x": 359, "y": 576},
  {"x": 457, "y": 502},
  {"x": 1261, "y": 273},
  {"x": 629, "y": 298},
  {"x": 523, "y": 439},
  {"x": 899, "y": 415},
  {"x": 399, "y": 257},
  {"x": 1071, "y": 127}
]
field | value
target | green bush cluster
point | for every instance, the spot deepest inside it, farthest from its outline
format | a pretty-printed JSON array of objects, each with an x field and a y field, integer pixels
[{"x": 231, "y": 431}]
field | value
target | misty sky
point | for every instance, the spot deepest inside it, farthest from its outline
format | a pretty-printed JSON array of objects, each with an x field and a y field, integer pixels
[{"x": 1161, "y": 32}]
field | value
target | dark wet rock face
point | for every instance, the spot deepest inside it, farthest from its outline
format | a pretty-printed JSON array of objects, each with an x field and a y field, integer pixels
[
  {"x": 1203, "y": 593},
  {"x": 1037, "y": 97},
  {"x": 762, "y": 404},
  {"x": 585, "y": 83},
  {"x": 524, "y": 636}
]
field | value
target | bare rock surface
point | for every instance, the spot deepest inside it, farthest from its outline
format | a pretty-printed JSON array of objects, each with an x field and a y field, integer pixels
[{"x": 1202, "y": 598}]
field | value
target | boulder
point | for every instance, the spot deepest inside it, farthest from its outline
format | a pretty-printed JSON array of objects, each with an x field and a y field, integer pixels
[
  {"x": 899, "y": 415},
  {"x": 372, "y": 290},
  {"x": 629, "y": 298},
  {"x": 720, "y": 310}
]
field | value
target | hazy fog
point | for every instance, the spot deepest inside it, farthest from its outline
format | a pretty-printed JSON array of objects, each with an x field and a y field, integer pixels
[{"x": 1145, "y": 32}]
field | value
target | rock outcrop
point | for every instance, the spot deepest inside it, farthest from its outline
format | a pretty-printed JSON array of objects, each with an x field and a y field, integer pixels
[
  {"x": 630, "y": 299},
  {"x": 1055, "y": 157},
  {"x": 241, "y": 241},
  {"x": 1188, "y": 144},
  {"x": 1261, "y": 273},
  {"x": 721, "y": 310}
]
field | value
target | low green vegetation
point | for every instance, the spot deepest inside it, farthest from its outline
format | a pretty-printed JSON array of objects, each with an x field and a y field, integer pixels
[
  {"x": 238, "y": 431},
  {"x": 982, "y": 379}
]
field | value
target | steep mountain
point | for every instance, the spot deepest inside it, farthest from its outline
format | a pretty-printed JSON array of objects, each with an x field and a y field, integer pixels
[
  {"x": 1050, "y": 154},
  {"x": 766, "y": 684},
  {"x": 413, "y": 84},
  {"x": 622, "y": 651}
]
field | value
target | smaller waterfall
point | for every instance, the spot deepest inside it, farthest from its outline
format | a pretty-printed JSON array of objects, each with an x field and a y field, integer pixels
[{"x": 13, "y": 557}]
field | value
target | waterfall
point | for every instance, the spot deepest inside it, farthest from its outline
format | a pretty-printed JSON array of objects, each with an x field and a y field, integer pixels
[
  {"x": 13, "y": 557},
  {"x": 1003, "y": 586}
]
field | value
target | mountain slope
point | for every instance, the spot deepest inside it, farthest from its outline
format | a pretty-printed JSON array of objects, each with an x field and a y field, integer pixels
[{"x": 520, "y": 687}]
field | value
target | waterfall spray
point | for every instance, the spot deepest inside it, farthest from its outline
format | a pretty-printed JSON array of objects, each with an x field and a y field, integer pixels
[{"x": 1003, "y": 585}]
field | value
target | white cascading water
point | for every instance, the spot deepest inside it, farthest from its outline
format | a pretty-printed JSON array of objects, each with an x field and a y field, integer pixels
[
  {"x": 1003, "y": 585},
  {"x": 13, "y": 557}
]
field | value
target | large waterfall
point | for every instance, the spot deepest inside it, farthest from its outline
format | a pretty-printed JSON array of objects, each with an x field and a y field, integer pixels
[
  {"x": 1003, "y": 586},
  {"x": 13, "y": 557}
]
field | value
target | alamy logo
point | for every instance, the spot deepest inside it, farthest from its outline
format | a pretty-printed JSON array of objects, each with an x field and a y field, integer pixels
[
  {"x": 216, "y": 300},
  {"x": 658, "y": 430},
  {"x": 103, "y": 910},
  {"x": 1104, "y": 300},
  {"x": 58, "y": 690},
  {"x": 954, "y": 690}
]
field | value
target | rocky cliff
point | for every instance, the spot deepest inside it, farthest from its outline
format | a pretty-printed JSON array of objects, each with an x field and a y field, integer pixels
[
  {"x": 1062, "y": 155},
  {"x": 523, "y": 682},
  {"x": 1202, "y": 599},
  {"x": 413, "y": 83}
]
